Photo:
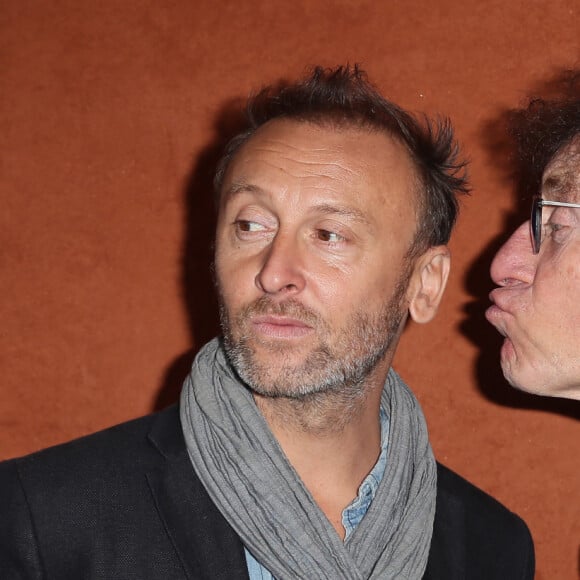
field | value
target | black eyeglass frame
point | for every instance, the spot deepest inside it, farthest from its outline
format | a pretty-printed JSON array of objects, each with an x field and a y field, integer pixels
[{"x": 536, "y": 219}]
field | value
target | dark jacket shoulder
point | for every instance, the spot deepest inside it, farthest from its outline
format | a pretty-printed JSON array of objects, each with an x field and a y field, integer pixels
[
  {"x": 85, "y": 509},
  {"x": 476, "y": 537},
  {"x": 96, "y": 446}
]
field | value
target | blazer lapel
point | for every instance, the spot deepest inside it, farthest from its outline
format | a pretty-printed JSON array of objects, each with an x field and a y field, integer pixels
[
  {"x": 447, "y": 552},
  {"x": 205, "y": 543},
  {"x": 207, "y": 546}
]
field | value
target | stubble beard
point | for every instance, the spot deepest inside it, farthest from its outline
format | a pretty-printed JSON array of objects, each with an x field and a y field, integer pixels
[{"x": 335, "y": 369}]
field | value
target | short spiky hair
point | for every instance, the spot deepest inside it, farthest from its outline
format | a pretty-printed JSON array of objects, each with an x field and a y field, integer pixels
[
  {"x": 343, "y": 97},
  {"x": 543, "y": 127}
]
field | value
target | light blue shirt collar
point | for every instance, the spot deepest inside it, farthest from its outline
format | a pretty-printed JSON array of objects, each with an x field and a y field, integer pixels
[{"x": 353, "y": 514}]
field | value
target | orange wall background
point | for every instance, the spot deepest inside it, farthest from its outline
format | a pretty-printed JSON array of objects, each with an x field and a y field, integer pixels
[{"x": 109, "y": 113}]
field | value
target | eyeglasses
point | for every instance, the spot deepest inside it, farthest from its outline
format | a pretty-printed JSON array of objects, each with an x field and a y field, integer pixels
[{"x": 536, "y": 219}]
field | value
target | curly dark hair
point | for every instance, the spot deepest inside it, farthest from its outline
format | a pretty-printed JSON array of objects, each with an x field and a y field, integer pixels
[
  {"x": 543, "y": 127},
  {"x": 343, "y": 96}
]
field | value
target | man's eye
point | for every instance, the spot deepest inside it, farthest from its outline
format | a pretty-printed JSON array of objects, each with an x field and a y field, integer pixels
[
  {"x": 552, "y": 227},
  {"x": 330, "y": 237},
  {"x": 248, "y": 226},
  {"x": 555, "y": 232}
]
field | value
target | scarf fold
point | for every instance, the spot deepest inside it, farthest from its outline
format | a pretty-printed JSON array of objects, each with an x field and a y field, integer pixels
[{"x": 248, "y": 477}]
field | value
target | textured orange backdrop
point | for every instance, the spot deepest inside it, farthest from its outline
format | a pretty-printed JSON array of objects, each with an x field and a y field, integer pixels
[{"x": 109, "y": 116}]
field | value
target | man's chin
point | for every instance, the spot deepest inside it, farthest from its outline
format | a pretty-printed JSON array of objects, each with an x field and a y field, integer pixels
[
  {"x": 288, "y": 383},
  {"x": 270, "y": 374},
  {"x": 526, "y": 380},
  {"x": 290, "y": 375}
]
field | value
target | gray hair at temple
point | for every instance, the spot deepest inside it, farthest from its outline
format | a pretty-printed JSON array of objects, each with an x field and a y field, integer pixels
[{"x": 343, "y": 97}]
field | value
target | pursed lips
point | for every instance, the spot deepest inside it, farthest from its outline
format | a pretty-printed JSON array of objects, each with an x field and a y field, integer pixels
[{"x": 497, "y": 312}]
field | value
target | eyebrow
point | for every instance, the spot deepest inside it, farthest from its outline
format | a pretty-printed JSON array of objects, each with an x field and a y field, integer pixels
[
  {"x": 242, "y": 187},
  {"x": 323, "y": 208},
  {"x": 348, "y": 212}
]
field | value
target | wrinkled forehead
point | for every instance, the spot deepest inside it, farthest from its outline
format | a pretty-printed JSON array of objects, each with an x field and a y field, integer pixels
[{"x": 561, "y": 179}]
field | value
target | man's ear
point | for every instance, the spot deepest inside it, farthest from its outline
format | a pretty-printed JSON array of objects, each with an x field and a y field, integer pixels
[{"x": 428, "y": 283}]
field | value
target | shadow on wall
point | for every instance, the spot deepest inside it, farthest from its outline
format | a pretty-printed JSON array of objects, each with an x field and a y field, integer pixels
[
  {"x": 197, "y": 254},
  {"x": 495, "y": 138}
]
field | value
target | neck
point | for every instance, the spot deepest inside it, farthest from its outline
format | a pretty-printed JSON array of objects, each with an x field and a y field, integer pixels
[{"x": 331, "y": 443}]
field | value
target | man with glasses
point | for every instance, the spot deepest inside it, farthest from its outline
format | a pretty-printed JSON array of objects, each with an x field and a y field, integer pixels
[{"x": 536, "y": 306}]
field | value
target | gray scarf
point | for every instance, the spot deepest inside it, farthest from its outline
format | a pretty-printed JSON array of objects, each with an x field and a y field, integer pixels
[{"x": 258, "y": 492}]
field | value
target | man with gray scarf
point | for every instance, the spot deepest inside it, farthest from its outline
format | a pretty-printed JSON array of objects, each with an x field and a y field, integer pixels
[{"x": 297, "y": 452}]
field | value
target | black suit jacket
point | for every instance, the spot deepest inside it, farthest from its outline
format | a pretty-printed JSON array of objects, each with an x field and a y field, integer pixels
[{"x": 126, "y": 504}]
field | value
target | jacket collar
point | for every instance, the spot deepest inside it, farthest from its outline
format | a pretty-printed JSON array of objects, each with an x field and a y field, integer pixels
[
  {"x": 447, "y": 552},
  {"x": 205, "y": 543}
]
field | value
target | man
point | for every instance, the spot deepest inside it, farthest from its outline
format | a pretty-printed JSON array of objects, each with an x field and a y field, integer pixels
[
  {"x": 537, "y": 305},
  {"x": 297, "y": 451}
]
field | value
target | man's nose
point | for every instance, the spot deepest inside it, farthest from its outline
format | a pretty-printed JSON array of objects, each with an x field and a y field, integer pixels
[
  {"x": 515, "y": 261},
  {"x": 282, "y": 269}
]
